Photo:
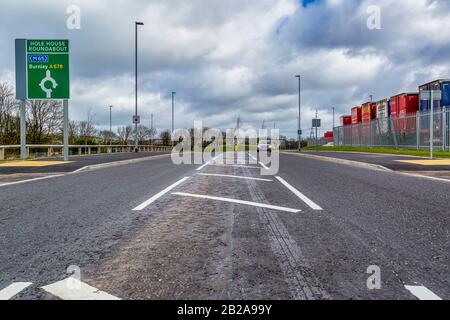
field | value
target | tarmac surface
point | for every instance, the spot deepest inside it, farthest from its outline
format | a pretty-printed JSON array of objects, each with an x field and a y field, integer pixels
[{"x": 225, "y": 230}]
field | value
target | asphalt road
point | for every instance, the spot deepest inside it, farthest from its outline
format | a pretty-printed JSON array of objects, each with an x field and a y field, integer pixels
[
  {"x": 224, "y": 231},
  {"x": 388, "y": 161},
  {"x": 76, "y": 162}
]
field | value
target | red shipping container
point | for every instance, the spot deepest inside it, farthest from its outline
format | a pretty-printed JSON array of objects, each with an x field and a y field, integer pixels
[
  {"x": 403, "y": 107},
  {"x": 356, "y": 115},
  {"x": 394, "y": 112},
  {"x": 346, "y": 120},
  {"x": 329, "y": 137},
  {"x": 369, "y": 111},
  {"x": 408, "y": 105}
]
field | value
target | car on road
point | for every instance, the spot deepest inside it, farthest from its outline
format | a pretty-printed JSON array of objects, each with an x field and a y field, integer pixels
[{"x": 265, "y": 145}]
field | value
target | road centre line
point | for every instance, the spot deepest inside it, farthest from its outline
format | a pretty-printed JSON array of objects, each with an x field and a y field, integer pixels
[
  {"x": 248, "y": 203},
  {"x": 13, "y": 290},
  {"x": 422, "y": 293},
  {"x": 231, "y": 176},
  {"x": 159, "y": 195},
  {"x": 73, "y": 289},
  {"x": 209, "y": 162},
  {"x": 235, "y": 166},
  {"x": 300, "y": 195}
]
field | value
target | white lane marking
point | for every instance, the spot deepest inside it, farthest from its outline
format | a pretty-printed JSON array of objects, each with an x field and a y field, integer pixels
[
  {"x": 159, "y": 195},
  {"x": 248, "y": 203},
  {"x": 235, "y": 166},
  {"x": 263, "y": 165},
  {"x": 230, "y": 176},
  {"x": 73, "y": 289},
  {"x": 13, "y": 290},
  {"x": 31, "y": 180},
  {"x": 304, "y": 198},
  {"x": 209, "y": 162},
  {"x": 422, "y": 293},
  {"x": 203, "y": 166},
  {"x": 252, "y": 157}
]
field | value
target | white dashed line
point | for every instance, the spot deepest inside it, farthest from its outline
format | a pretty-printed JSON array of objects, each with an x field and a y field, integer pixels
[
  {"x": 13, "y": 290},
  {"x": 209, "y": 162},
  {"x": 422, "y": 293},
  {"x": 248, "y": 203},
  {"x": 236, "y": 177},
  {"x": 263, "y": 165},
  {"x": 235, "y": 166},
  {"x": 304, "y": 198},
  {"x": 159, "y": 195},
  {"x": 74, "y": 289}
]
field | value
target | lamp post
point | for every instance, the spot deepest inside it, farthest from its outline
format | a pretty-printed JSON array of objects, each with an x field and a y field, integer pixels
[
  {"x": 173, "y": 116},
  {"x": 136, "y": 24},
  {"x": 333, "y": 118},
  {"x": 299, "y": 133},
  {"x": 110, "y": 125}
]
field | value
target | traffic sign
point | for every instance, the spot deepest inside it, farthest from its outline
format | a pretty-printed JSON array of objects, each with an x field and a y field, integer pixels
[
  {"x": 42, "y": 69},
  {"x": 426, "y": 95},
  {"x": 316, "y": 123},
  {"x": 299, "y": 132},
  {"x": 136, "y": 119}
]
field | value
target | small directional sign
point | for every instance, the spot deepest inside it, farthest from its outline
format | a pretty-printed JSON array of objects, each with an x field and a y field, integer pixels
[
  {"x": 136, "y": 119},
  {"x": 426, "y": 95}
]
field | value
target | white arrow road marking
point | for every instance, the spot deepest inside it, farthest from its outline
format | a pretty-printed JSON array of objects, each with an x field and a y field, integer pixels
[
  {"x": 159, "y": 195},
  {"x": 73, "y": 289},
  {"x": 422, "y": 293},
  {"x": 304, "y": 198},
  {"x": 13, "y": 290},
  {"x": 234, "y": 177},
  {"x": 248, "y": 203}
]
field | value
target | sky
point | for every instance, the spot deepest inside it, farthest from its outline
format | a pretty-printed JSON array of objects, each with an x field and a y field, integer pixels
[{"x": 235, "y": 58}]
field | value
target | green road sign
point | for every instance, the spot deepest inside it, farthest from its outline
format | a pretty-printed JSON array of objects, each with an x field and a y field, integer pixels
[
  {"x": 46, "y": 69},
  {"x": 316, "y": 123}
]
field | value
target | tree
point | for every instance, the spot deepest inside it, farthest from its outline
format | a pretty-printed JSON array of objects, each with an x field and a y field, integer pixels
[
  {"x": 165, "y": 137},
  {"x": 107, "y": 137},
  {"x": 44, "y": 121},
  {"x": 124, "y": 134},
  {"x": 9, "y": 117},
  {"x": 88, "y": 130}
]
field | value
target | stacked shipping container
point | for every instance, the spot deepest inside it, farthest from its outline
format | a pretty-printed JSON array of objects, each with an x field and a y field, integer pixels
[
  {"x": 356, "y": 115},
  {"x": 444, "y": 86}
]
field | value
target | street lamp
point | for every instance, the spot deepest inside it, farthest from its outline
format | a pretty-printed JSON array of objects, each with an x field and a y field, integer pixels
[
  {"x": 136, "y": 24},
  {"x": 110, "y": 125},
  {"x": 299, "y": 132},
  {"x": 333, "y": 117},
  {"x": 173, "y": 116}
]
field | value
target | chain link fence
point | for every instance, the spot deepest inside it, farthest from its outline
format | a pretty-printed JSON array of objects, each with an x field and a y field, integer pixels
[{"x": 408, "y": 132}]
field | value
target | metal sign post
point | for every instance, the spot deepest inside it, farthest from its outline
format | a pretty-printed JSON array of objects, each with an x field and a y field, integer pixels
[
  {"x": 431, "y": 95},
  {"x": 42, "y": 73}
]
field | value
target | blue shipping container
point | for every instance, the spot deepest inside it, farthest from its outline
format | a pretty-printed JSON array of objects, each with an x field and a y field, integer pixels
[{"x": 444, "y": 86}]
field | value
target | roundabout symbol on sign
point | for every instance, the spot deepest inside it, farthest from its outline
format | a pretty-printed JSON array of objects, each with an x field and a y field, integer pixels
[{"x": 48, "y": 78}]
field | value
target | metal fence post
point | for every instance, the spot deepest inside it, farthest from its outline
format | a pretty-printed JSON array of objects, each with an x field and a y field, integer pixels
[
  {"x": 444, "y": 129},
  {"x": 418, "y": 130}
]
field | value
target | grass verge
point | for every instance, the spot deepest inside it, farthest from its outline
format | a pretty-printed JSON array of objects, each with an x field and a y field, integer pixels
[{"x": 404, "y": 152}]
